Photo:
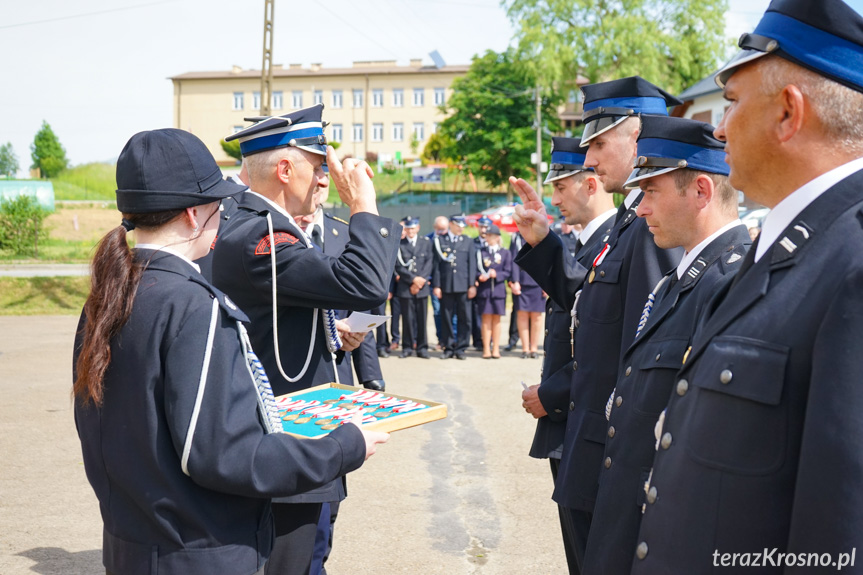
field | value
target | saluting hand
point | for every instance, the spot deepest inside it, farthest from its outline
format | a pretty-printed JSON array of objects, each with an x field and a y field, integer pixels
[
  {"x": 353, "y": 180},
  {"x": 531, "y": 217}
]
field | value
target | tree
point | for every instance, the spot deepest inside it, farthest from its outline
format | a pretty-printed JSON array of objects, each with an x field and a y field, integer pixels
[
  {"x": 47, "y": 152},
  {"x": 433, "y": 150},
  {"x": 491, "y": 127},
  {"x": 672, "y": 43},
  {"x": 232, "y": 148},
  {"x": 8, "y": 160}
]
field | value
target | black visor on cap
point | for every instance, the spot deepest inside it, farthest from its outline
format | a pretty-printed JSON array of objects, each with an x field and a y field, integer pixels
[{"x": 593, "y": 128}]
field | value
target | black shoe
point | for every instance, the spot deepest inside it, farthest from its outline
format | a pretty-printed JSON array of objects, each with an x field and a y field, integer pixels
[
  {"x": 406, "y": 353},
  {"x": 375, "y": 385},
  {"x": 447, "y": 354},
  {"x": 382, "y": 352},
  {"x": 423, "y": 354},
  {"x": 460, "y": 355},
  {"x": 508, "y": 347}
]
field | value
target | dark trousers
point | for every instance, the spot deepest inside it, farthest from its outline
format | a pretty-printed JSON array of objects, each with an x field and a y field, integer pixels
[
  {"x": 513, "y": 327},
  {"x": 455, "y": 303},
  {"x": 476, "y": 320},
  {"x": 382, "y": 340},
  {"x": 396, "y": 312},
  {"x": 324, "y": 539},
  {"x": 414, "y": 314},
  {"x": 572, "y": 534},
  {"x": 436, "y": 312},
  {"x": 296, "y": 525}
]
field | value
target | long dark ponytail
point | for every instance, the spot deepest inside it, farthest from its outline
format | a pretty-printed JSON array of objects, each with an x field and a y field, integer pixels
[{"x": 114, "y": 279}]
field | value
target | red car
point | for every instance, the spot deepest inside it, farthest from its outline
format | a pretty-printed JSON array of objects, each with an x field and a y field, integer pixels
[{"x": 500, "y": 216}]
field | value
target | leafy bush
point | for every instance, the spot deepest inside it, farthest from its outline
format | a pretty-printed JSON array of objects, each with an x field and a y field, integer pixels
[{"x": 21, "y": 225}]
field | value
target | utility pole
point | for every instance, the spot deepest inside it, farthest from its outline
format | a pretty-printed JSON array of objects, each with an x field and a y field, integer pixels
[
  {"x": 267, "y": 66},
  {"x": 538, "y": 143}
]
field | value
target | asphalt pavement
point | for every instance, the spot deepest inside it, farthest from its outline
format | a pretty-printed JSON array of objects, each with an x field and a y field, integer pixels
[{"x": 457, "y": 496}]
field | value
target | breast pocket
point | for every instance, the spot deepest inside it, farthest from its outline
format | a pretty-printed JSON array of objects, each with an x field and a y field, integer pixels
[
  {"x": 607, "y": 303},
  {"x": 739, "y": 422},
  {"x": 657, "y": 362}
]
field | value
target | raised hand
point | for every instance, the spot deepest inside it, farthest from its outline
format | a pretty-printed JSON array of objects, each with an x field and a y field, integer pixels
[
  {"x": 353, "y": 180},
  {"x": 530, "y": 217}
]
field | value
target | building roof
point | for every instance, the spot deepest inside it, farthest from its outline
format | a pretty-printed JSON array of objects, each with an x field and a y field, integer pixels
[
  {"x": 297, "y": 71},
  {"x": 701, "y": 88}
]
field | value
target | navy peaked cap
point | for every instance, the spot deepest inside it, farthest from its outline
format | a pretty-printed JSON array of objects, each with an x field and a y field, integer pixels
[
  {"x": 493, "y": 230},
  {"x": 825, "y": 36},
  {"x": 410, "y": 221},
  {"x": 667, "y": 144},
  {"x": 459, "y": 220},
  {"x": 302, "y": 129},
  {"x": 609, "y": 103},
  {"x": 483, "y": 221},
  {"x": 168, "y": 169},
  {"x": 567, "y": 159}
]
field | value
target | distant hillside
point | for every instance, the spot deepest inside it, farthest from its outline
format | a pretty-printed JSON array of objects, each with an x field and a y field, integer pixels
[{"x": 86, "y": 182}]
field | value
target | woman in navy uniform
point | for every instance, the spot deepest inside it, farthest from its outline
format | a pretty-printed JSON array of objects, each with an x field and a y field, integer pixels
[
  {"x": 180, "y": 441},
  {"x": 494, "y": 269},
  {"x": 531, "y": 303}
]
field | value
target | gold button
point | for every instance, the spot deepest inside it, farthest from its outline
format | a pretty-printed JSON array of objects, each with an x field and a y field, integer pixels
[
  {"x": 666, "y": 440},
  {"x": 611, "y": 431},
  {"x": 618, "y": 401},
  {"x": 602, "y": 274},
  {"x": 607, "y": 462},
  {"x": 641, "y": 550},
  {"x": 651, "y": 495},
  {"x": 725, "y": 376},
  {"x": 628, "y": 370},
  {"x": 682, "y": 387}
]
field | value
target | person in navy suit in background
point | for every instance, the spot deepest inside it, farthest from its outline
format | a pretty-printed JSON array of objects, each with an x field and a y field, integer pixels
[
  {"x": 414, "y": 262},
  {"x": 494, "y": 269}
]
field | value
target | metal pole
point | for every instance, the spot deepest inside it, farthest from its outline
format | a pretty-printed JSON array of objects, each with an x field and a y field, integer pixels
[
  {"x": 267, "y": 65},
  {"x": 538, "y": 143}
]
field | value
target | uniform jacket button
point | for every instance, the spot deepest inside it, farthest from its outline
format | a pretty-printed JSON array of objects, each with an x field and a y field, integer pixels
[
  {"x": 611, "y": 431},
  {"x": 725, "y": 376},
  {"x": 666, "y": 440},
  {"x": 546, "y": 332},
  {"x": 572, "y": 406},
  {"x": 607, "y": 462},
  {"x": 618, "y": 401},
  {"x": 651, "y": 495},
  {"x": 602, "y": 274},
  {"x": 385, "y": 233},
  {"x": 641, "y": 550},
  {"x": 682, "y": 387},
  {"x": 628, "y": 370},
  {"x": 574, "y": 366},
  {"x": 658, "y": 355}
]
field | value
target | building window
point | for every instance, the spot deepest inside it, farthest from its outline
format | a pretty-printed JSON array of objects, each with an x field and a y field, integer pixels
[
  {"x": 398, "y": 97},
  {"x": 337, "y": 133},
  {"x": 398, "y": 132},
  {"x": 278, "y": 101},
  {"x": 434, "y": 127},
  {"x": 256, "y": 100},
  {"x": 419, "y": 131},
  {"x": 358, "y": 98},
  {"x": 237, "y": 129},
  {"x": 297, "y": 99},
  {"x": 377, "y": 132},
  {"x": 439, "y": 96},
  {"x": 358, "y": 132},
  {"x": 419, "y": 97},
  {"x": 319, "y": 97},
  {"x": 377, "y": 98},
  {"x": 337, "y": 98},
  {"x": 238, "y": 101},
  {"x": 573, "y": 96}
]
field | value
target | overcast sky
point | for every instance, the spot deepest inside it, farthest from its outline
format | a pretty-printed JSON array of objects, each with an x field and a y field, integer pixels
[{"x": 97, "y": 70}]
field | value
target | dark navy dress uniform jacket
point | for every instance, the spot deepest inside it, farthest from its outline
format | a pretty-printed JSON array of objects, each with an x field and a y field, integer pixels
[
  {"x": 763, "y": 447},
  {"x": 306, "y": 279},
  {"x": 420, "y": 262},
  {"x": 557, "y": 364},
  {"x": 608, "y": 313},
  {"x": 364, "y": 359},
  {"x": 646, "y": 381},
  {"x": 459, "y": 275},
  {"x": 216, "y": 518}
]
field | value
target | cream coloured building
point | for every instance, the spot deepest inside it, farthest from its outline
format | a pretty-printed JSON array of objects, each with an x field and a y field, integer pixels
[{"x": 371, "y": 107}]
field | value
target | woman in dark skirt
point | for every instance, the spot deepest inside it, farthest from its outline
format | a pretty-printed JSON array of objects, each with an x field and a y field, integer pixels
[
  {"x": 494, "y": 269},
  {"x": 531, "y": 304}
]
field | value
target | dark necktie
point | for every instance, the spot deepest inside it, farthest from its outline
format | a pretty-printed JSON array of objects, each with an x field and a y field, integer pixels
[{"x": 316, "y": 237}]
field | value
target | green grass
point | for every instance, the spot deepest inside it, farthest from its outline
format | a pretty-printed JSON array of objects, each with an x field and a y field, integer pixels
[
  {"x": 55, "y": 251},
  {"x": 43, "y": 296},
  {"x": 86, "y": 182}
]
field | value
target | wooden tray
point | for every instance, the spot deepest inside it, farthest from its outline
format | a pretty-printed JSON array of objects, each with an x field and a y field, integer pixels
[{"x": 432, "y": 412}]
